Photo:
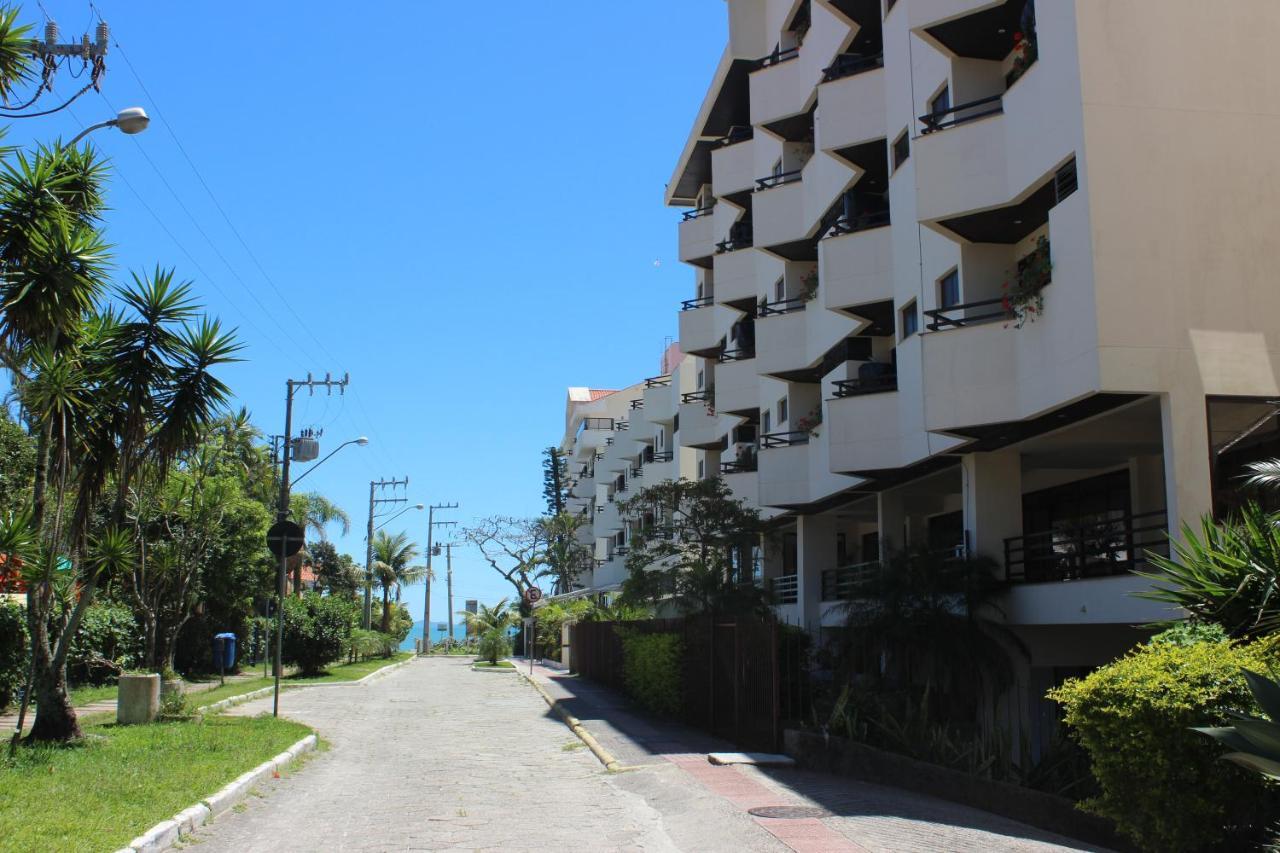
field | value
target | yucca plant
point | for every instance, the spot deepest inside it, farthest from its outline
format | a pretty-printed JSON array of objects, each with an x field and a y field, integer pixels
[{"x": 1255, "y": 742}]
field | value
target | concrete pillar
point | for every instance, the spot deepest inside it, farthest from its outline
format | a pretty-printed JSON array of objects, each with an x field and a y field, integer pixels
[
  {"x": 1188, "y": 483},
  {"x": 138, "y": 699},
  {"x": 816, "y": 547},
  {"x": 893, "y": 523},
  {"x": 992, "y": 487},
  {"x": 1146, "y": 483}
]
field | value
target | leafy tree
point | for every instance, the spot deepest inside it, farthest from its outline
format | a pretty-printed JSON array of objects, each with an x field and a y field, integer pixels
[
  {"x": 555, "y": 476},
  {"x": 13, "y": 651},
  {"x": 17, "y": 466},
  {"x": 315, "y": 513},
  {"x": 515, "y": 548},
  {"x": 499, "y": 617},
  {"x": 392, "y": 555},
  {"x": 316, "y": 630},
  {"x": 336, "y": 574},
  {"x": 689, "y": 539},
  {"x": 564, "y": 556}
]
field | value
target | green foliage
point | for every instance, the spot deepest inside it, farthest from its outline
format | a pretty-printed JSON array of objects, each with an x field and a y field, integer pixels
[
  {"x": 316, "y": 629},
  {"x": 336, "y": 573},
  {"x": 364, "y": 644},
  {"x": 551, "y": 619},
  {"x": 498, "y": 617},
  {"x": 17, "y": 466},
  {"x": 13, "y": 651},
  {"x": 1161, "y": 782},
  {"x": 563, "y": 555},
  {"x": 107, "y": 642},
  {"x": 1189, "y": 634},
  {"x": 494, "y": 644},
  {"x": 555, "y": 480},
  {"x": 1255, "y": 742},
  {"x": 1226, "y": 574},
  {"x": 651, "y": 670}
]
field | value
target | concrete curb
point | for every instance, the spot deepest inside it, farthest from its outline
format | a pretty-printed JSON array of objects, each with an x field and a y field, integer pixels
[
  {"x": 376, "y": 674},
  {"x": 475, "y": 668},
  {"x": 166, "y": 833},
  {"x": 575, "y": 725},
  {"x": 232, "y": 701}
]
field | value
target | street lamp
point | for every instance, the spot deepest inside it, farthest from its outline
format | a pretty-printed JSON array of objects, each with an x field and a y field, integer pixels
[
  {"x": 362, "y": 441},
  {"x": 368, "y": 552},
  {"x": 130, "y": 120},
  {"x": 397, "y": 515}
]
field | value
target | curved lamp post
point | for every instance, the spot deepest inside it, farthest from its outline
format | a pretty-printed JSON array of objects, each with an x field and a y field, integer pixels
[
  {"x": 362, "y": 441},
  {"x": 130, "y": 120}
]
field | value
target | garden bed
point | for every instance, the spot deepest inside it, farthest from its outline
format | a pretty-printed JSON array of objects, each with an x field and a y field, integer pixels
[
  {"x": 122, "y": 780},
  {"x": 348, "y": 671},
  {"x": 1046, "y": 811},
  {"x": 500, "y": 666}
]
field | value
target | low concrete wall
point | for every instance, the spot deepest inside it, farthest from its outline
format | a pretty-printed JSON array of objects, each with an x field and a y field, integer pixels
[{"x": 1046, "y": 811}]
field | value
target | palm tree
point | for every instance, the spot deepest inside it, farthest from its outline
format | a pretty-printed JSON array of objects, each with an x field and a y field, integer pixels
[
  {"x": 314, "y": 512},
  {"x": 499, "y": 616},
  {"x": 392, "y": 555}
]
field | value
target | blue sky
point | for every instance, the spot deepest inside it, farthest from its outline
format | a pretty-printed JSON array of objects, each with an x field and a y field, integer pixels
[{"x": 443, "y": 201}]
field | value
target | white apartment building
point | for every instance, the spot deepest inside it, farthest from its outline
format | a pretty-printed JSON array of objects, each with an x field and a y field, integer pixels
[
  {"x": 616, "y": 442},
  {"x": 867, "y": 181}
]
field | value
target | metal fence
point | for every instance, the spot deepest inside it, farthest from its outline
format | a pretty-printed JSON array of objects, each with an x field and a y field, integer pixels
[{"x": 741, "y": 677}]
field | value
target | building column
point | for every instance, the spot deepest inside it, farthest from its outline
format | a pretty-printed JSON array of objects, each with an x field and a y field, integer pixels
[
  {"x": 892, "y": 512},
  {"x": 1187, "y": 480},
  {"x": 816, "y": 547},
  {"x": 992, "y": 485}
]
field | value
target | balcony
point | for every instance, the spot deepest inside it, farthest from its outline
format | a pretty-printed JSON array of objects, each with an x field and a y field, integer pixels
[
  {"x": 785, "y": 589},
  {"x": 735, "y": 276},
  {"x": 856, "y": 268},
  {"x": 592, "y": 433},
  {"x": 659, "y": 399},
  {"x": 741, "y": 236},
  {"x": 771, "y": 440},
  {"x": 877, "y": 383},
  {"x": 1090, "y": 549},
  {"x": 698, "y": 326},
  {"x": 843, "y": 582},
  {"x": 732, "y": 168},
  {"x": 745, "y": 462},
  {"x": 737, "y": 386},
  {"x": 783, "y": 81},
  {"x": 849, "y": 64},
  {"x": 851, "y": 110},
  {"x": 699, "y": 426},
  {"x": 697, "y": 236},
  {"x": 961, "y": 114},
  {"x": 778, "y": 210}
]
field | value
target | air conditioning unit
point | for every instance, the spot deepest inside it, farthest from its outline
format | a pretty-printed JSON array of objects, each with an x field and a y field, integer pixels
[{"x": 305, "y": 449}]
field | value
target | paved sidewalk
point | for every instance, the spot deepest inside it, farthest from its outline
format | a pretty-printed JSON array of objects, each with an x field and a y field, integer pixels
[{"x": 865, "y": 816}]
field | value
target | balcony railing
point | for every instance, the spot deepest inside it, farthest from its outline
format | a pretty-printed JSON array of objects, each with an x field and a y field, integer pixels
[
  {"x": 782, "y": 306},
  {"x": 777, "y": 180},
  {"x": 608, "y": 441},
  {"x": 741, "y": 236},
  {"x": 621, "y": 550},
  {"x": 737, "y": 133},
  {"x": 771, "y": 440},
  {"x": 961, "y": 113},
  {"x": 1096, "y": 548},
  {"x": 662, "y": 456},
  {"x": 694, "y": 304},
  {"x": 840, "y": 583},
  {"x": 697, "y": 213},
  {"x": 597, "y": 423},
  {"x": 860, "y": 222},
  {"x": 776, "y": 57},
  {"x": 637, "y": 403},
  {"x": 637, "y": 472},
  {"x": 958, "y": 316},
  {"x": 658, "y": 382},
  {"x": 849, "y": 64},
  {"x": 785, "y": 589},
  {"x": 866, "y": 385},
  {"x": 705, "y": 395},
  {"x": 740, "y": 466},
  {"x": 739, "y": 354},
  {"x": 621, "y": 426}
]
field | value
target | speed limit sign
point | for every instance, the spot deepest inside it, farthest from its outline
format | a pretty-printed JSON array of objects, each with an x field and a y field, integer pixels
[{"x": 533, "y": 595}]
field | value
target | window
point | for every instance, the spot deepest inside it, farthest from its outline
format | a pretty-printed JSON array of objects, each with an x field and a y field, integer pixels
[
  {"x": 765, "y": 424},
  {"x": 782, "y": 410},
  {"x": 779, "y": 290},
  {"x": 702, "y": 468},
  {"x": 941, "y": 102},
  {"x": 949, "y": 289},
  {"x": 1065, "y": 181},
  {"x": 702, "y": 378},
  {"x": 901, "y": 149},
  {"x": 910, "y": 320},
  {"x": 888, "y": 6}
]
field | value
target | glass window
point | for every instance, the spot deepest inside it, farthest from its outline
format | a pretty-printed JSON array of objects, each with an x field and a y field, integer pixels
[
  {"x": 910, "y": 320},
  {"x": 941, "y": 102},
  {"x": 765, "y": 423},
  {"x": 949, "y": 289},
  {"x": 901, "y": 149},
  {"x": 782, "y": 410}
]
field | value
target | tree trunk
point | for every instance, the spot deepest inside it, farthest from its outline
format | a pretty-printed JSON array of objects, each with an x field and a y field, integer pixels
[
  {"x": 55, "y": 718},
  {"x": 386, "y": 610}
]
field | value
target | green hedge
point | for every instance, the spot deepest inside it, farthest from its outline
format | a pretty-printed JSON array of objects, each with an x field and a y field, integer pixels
[
  {"x": 13, "y": 651},
  {"x": 317, "y": 630},
  {"x": 1163, "y": 784},
  {"x": 651, "y": 670},
  {"x": 108, "y": 632}
]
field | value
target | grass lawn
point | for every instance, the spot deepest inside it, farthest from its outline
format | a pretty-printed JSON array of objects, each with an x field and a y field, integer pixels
[
  {"x": 502, "y": 664},
  {"x": 89, "y": 693},
  {"x": 226, "y": 691},
  {"x": 122, "y": 780},
  {"x": 349, "y": 671}
]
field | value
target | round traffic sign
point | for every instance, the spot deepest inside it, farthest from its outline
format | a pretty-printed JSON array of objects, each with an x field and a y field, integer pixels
[
  {"x": 286, "y": 536},
  {"x": 533, "y": 595}
]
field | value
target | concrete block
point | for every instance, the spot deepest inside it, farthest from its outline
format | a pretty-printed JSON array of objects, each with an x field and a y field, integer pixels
[
  {"x": 190, "y": 819},
  {"x": 156, "y": 839},
  {"x": 225, "y": 799},
  {"x": 138, "y": 699}
]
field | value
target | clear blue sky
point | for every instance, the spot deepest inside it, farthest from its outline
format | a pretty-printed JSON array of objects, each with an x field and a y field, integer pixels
[{"x": 459, "y": 204}]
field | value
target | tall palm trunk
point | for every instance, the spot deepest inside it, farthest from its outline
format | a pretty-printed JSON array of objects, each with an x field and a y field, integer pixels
[{"x": 386, "y": 609}]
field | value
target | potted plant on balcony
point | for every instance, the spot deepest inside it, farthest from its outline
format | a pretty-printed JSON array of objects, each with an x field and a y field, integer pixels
[
  {"x": 1024, "y": 56},
  {"x": 810, "y": 422},
  {"x": 1021, "y": 295},
  {"x": 809, "y": 285}
]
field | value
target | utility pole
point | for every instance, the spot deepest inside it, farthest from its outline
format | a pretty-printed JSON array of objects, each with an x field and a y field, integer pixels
[
  {"x": 282, "y": 511},
  {"x": 448, "y": 561},
  {"x": 426, "y": 613},
  {"x": 374, "y": 501}
]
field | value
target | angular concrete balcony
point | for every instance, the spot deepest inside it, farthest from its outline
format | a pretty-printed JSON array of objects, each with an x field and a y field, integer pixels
[
  {"x": 794, "y": 469},
  {"x": 659, "y": 399},
  {"x": 781, "y": 87},
  {"x": 698, "y": 330},
  {"x": 744, "y": 485},
  {"x": 795, "y": 335},
  {"x": 865, "y": 433},
  {"x": 733, "y": 168},
  {"x": 779, "y": 210},
  {"x": 697, "y": 236},
  {"x": 856, "y": 268},
  {"x": 661, "y": 468},
  {"x": 591, "y": 437},
  {"x": 737, "y": 386},
  {"x": 699, "y": 426},
  {"x": 851, "y": 110},
  {"x": 607, "y": 519},
  {"x": 735, "y": 275}
]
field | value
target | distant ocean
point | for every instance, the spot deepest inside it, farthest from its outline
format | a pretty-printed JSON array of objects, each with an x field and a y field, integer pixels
[{"x": 438, "y": 632}]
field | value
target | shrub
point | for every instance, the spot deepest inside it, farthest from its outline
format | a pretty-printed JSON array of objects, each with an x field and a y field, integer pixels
[
  {"x": 107, "y": 642},
  {"x": 1190, "y": 633},
  {"x": 651, "y": 670},
  {"x": 1161, "y": 782},
  {"x": 13, "y": 651},
  {"x": 494, "y": 644},
  {"x": 316, "y": 630}
]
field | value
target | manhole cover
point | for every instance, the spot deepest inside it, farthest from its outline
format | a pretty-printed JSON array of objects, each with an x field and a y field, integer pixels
[{"x": 789, "y": 812}]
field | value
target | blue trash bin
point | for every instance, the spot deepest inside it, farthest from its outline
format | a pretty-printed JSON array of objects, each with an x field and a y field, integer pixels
[{"x": 224, "y": 650}]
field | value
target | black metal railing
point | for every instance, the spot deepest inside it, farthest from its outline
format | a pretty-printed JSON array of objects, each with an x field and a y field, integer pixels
[
  {"x": 741, "y": 236},
  {"x": 782, "y": 306},
  {"x": 697, "y": 213},
  {"x": 608, "y": 441},
  {"x": 694, "y": 304},
  {"x": 599, "y": 455},
  {"x": 777, "y": 180},
  {"x": 958, "y": 316},
  {"x": 621, "y": 426},
  {"x": 849, "y": 64},
  {"x": 961, "y": 113},
  {"x": 737, "y": 133},
  {"x": 637, "y": 403},
  {"x": 851, "y": 224},
  {"x": 704, "y": 395},
  {"x": 785, "y": 589},
  {"x": 739, "y": 354},
  {"x": 1094, "y": 548},
  {"x": 663, "y": 456},
  {"x": 658, "y": 381},
  {"x": 866, "y": 385},
  {"x": 840, "y": 583},
  {"x": 740, "y": 466},
  {"x": 621, "y": 550},
  {"x": 784, "y": 439},
  {"x": 777, "y": 56},
  {"x": 637, "y": 472},
  {"x": 597, "y": 423}
]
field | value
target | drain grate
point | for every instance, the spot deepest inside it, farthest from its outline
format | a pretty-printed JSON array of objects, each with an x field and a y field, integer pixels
[{"x": 789, "y": 812}]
